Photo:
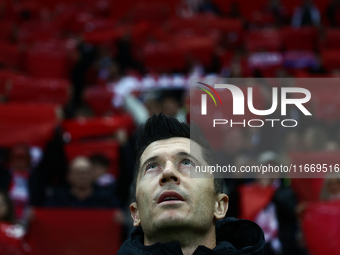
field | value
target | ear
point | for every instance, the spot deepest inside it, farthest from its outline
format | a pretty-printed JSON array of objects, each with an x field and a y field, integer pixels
[
  {"x": 135, "y": 214},
  {"x": 221, "y": 206}
]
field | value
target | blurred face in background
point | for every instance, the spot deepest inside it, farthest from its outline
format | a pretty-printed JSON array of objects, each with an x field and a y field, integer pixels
[
  {"x": 20, "y": 158},
  {"x": 80, "y": 174},
  {"x": 99, "y": 170},
  {"x": 170, "y": 106}
]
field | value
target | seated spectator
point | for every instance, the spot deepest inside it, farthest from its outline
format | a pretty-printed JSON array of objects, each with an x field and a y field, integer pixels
[
  {"x": 6, "y": 209},
  {"x": 333, "y": 13},
  {"x": 11, "y": 234},
  {"x": 81, "y": 191},
  {"x": 277, "y": 11},
  {"x": 207, "y": 6},
  {"x": 16, "y": 181},
  {"x": 234, "y": 11},
  {"x": 306, "y": 15},
  {"x": 277, "y": 218},
  {"x": 100, "y": 167}
]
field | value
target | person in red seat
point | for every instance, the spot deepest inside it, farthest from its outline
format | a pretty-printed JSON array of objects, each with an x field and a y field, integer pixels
[
  {"x": 333, "y": 13},
  {"x": 81, "y": 191},
  {"x": 11, "y": 234},
  {"x": 17, "y": 180},
  {"x": 306, "y": 15},
  {"x": 100, "y": 167},
  {"x": 176, "y": 214},
  {"x": 6, "y": 209}
]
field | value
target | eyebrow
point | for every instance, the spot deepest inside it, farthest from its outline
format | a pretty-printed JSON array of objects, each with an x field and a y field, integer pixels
[{"x": 179, "y": 154}]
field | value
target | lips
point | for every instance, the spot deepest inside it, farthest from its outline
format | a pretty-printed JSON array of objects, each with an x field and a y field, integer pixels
[{"x": 169, "y": 196}]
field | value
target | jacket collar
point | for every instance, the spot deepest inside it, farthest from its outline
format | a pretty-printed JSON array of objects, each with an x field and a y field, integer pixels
[{"x": 233, "y": 236}]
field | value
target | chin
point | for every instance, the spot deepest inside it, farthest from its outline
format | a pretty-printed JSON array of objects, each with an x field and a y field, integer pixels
[{"x": 171, "y": 219}]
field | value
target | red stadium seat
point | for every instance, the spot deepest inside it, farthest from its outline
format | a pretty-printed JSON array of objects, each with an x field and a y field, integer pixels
[
  {"x": 33, "y": 124},
  {"x": 10, "y": 55},
  {"x": 33, "y": 31},
  {"x": 331, "y": 59},
  {"x": 74, "y": 232},
  {"x": 5, "y": 76},
  {"x": 321, "y": 225},
  {"x": 99, "y": 99},
  {"x": 266, "y": 39},
  {"x": 108, "y": 148},
  {"x": 173, "y": 56},
  {"x": 156, "y": 13},
  {"x": 332, "y": 39},
  {"x": 47, "y": 63},
  {"x": 299, "y": 38},
  {"x": 6, "y": 29},
  {"x": 253, "y": 199},
  {"x": 97, "y": 127},
  {"x": 25, "y": 89},
  {"x": 103, "y": 36}
]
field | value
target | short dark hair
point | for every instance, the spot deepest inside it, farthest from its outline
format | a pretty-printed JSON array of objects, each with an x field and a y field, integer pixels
[
  {"x": 161, "y": 127},
  {"x": 99, "y": 159}
]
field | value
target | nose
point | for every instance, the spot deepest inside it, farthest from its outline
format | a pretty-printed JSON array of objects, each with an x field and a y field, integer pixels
[{"x": 170, "y": 174}]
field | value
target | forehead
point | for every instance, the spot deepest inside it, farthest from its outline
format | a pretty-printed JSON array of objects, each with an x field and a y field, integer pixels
[{"x": 170, "y": 147}]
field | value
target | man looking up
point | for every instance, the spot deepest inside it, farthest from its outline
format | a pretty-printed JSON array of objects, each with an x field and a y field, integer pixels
[{"x": 176, "y": 214}]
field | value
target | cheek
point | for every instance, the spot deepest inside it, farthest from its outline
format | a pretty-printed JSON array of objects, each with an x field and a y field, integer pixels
[{"x": 205, "y": 196}]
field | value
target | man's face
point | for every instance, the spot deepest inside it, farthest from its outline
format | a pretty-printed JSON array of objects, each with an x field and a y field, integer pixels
[
  {"x": 80, "y": 173},
  {"x": 166, "y": 195}
]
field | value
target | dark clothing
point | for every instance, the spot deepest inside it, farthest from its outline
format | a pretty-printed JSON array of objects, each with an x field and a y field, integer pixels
[
  {"x": 5, "y": 180},
  {"x": 233, "y": 236},
  {"x": 285, "y": 203},
  {"x": 102, "y": 197}
]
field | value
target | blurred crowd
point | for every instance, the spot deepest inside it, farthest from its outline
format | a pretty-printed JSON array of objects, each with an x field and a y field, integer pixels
[{"x": 98, "y": 61}]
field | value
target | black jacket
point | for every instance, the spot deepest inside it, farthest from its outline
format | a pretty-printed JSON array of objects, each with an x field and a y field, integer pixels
[{"x": 233, "y": 236}]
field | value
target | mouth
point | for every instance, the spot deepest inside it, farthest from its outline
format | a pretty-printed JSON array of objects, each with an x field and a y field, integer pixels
[{"x": 170, "y": 197}]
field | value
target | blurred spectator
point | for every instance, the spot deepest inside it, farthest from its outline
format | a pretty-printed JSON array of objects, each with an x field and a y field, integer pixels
[
  {"x": 81, "y": 191},
  {"x": 83, "y": 112},
  {"x": 17, "y": 180},
  {"x": 234, "y": 11},
  {"x": 278, "y": 219},
  {"x": 87, "y": 54},
  {"x": 333, "y": 13},
  {"x": 100, "y": 167},
  {"x": 187, "y": 8},
  {"x": 124, "y": 56},
  {"x": 207, "y": 6},
  {"x": 172, "y": 103},
  {"x": 6, "y": 209},
  {"x": 331, "y": 187},
  {"x": 104, "y": 62},
  {"x": 11, "y": 234},
  {"x": 277, "y": 11},
  {"x": 306, "y": 15}
]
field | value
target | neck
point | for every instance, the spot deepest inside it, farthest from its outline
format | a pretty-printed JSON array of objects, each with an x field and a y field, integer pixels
[
  {"x": 81, "y": 192},
  {"x": 188, "y": 239}
]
